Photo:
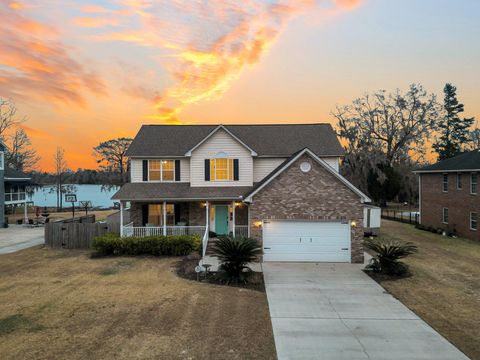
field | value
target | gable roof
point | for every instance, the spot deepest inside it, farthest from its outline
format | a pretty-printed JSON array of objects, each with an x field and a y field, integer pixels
[
  {"x": 469, "y": 161},
  {"x": 277, "y": 140},
  {"x": 288, "y": 162},
  {"x": 189, "y": 152}
]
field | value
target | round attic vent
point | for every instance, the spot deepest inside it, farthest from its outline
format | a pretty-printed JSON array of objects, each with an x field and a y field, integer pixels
[{"x": 305, "y": 166}]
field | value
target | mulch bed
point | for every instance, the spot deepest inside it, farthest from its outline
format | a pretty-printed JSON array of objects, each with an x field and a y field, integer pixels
[{"x": 186, "y": 269}]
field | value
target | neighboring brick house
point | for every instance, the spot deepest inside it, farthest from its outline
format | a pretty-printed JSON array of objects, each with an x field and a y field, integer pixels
[
  {"x": 277, "y": 183},
  {"x": 448, "y": 195}
]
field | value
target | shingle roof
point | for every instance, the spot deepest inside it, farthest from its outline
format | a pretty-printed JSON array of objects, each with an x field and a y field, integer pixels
[
  {"x": 466, "y": 161},
  {"x": 276, "y": 140},
  {"x": 15, "y": 174},
  {"x": 170, "y": 191}
]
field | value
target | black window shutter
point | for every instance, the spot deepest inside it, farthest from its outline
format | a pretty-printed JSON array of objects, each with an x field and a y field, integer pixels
[
  {"x": 177, "y": 170},
  {"x": 144, "y": 214},
  {"x": 145, "y": 170},
  {"x": 207, "y": 169},
  {"x": 235, "y": 170}
]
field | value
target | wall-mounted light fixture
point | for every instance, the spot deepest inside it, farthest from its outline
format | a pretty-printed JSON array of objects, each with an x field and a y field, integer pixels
[
  {"x": 258, "y": 224},
  {"x": 353, "y": 223}
]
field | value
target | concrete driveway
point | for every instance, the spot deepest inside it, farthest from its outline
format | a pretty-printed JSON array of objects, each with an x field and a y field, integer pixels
[
  {"x": 18, "y": 237},
  {"x": 335, "y": 311}
]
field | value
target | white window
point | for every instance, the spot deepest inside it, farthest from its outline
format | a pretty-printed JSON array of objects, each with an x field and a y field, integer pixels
[
  {"x": 459, "y": 181},
  {"x": 155, "y": 214},
  {"x": 2, "y": 160},
  {"x": 473, "y": 221},
  {"x": 161, "y": 170},
  {"x": 221, "y": 169},
  {"x": 445, "y": 216},
  {"x": 473, "y": 183},
  {"x": 445, "y": 182}
]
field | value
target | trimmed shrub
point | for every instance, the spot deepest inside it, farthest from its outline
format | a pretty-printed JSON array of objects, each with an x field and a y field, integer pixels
[{"x": 112, "y": 244}]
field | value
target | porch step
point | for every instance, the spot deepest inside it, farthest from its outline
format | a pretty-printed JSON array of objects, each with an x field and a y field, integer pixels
[{"x": 211, "y": 243}]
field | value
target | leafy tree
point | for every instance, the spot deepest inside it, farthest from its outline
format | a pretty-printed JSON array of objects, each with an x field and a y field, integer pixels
[
  {"x": 111, "y": 156},
  {"x": 381, "y": 131},
  {"x": 453, "y": 129}
]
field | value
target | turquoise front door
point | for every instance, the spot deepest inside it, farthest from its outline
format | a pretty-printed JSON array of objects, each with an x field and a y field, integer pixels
[{"x": 221, "y": 219}]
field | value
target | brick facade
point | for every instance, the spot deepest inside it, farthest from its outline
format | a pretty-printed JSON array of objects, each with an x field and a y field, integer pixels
[
  {"x": 316, "y": 195},
  {"x": 458, "y": 201}
]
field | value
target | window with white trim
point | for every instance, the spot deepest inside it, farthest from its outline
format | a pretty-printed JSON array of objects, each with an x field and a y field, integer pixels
[
  {"x": 445, "y": 215},
  {"x": 473, "y": 221},
  {"x": 2, "y": 160},
  {"x": 459, "y": 181},
  {"x": 221, "y": 169},
  {"x": 161, "y": 170},
  {"x": 473, "y": 183},
  {"x": 445, "y": 182}
]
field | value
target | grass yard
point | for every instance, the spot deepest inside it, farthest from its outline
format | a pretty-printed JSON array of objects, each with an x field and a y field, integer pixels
[
  {"x": 62, "y": 304},
  {"x": 445, "y": 287}
]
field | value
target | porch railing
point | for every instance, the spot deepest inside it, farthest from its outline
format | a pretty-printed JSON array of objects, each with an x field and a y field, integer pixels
[
  {"x": 241, "y": 231},
  {"x": 142, "y": 231}
]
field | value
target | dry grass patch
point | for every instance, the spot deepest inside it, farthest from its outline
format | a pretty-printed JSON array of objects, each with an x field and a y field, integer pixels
[
  {"x": 62, "y": 304},
  {"x": 444, "y": 288}
]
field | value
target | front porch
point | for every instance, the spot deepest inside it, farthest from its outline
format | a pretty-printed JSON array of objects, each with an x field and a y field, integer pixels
[{"x": 204, "y": 218}]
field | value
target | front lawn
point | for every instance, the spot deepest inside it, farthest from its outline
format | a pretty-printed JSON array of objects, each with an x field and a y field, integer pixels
[
  {"x": 61, "y": 304},
  {"x": 445, "y": 287}
]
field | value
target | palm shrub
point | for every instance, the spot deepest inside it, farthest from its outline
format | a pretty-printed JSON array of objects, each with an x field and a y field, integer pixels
[
  {"x": 387, "y": 255},
  {"x": 234, "y": 256}
]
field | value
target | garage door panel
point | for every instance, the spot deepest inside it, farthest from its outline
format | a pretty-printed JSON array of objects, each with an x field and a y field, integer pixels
[{"x": 306, "y": 241}]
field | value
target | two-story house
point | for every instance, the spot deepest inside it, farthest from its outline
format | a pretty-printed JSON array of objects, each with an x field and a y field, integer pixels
[
  {"x": 448, "y": 195},
  {"x": 277, "y": 183}
]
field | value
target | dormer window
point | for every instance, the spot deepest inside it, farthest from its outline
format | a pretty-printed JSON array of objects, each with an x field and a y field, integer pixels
[{"x": 221, "y": 169}]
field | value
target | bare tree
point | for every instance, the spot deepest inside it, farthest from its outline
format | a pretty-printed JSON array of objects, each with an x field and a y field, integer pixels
[
  {"x": 20, "y": 155},
  {"x": 8, "y": 117},
  {"x": 381, "y": 130},
  {"x": 111, "y": 156},
  {"x": 60, "y": 170},
  {"x": 474, "y": 139}
]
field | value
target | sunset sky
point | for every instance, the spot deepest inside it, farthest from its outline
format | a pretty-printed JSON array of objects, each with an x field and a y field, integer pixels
[{"x": 87, "y": 71}]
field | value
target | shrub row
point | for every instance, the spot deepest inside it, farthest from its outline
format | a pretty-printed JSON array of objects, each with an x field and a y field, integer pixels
[
  {"x": 112, "y": 244},
  {"x": 435, "y": 230}
]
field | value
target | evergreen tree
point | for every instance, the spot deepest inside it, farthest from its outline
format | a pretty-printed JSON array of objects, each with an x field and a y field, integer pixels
[{"x": 453, "y": 129}]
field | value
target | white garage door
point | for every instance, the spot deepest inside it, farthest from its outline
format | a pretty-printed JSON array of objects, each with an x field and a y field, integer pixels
[{"x": 306, "y": 241}]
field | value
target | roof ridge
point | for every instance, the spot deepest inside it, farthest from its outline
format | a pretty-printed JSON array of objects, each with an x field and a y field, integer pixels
[{"x": 216, "y": 125}]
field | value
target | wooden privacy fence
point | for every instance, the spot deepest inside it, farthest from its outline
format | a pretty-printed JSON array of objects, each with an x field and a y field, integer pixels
[{"x": 75, "y": 235}]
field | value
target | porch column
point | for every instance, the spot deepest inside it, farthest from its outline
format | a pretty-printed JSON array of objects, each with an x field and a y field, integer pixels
[
  {"x": 248, "y": 217},
  {"x": 233, "y": 218},
  {"x": 164, "y": 218},
  {"x": 25, "y": 212},
  {"x": 121, "y": 218},
  {"x": 207, "y": 214}
]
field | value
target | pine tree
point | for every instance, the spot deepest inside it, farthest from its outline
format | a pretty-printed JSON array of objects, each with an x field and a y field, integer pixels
[{"x": 453, "y": 129}]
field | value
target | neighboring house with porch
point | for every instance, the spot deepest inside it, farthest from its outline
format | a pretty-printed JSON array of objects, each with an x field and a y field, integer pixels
[
  {"x": 448, "y": 195},
  {"x": 277, "y": 183},
  {"x": 12, "y": 188}
]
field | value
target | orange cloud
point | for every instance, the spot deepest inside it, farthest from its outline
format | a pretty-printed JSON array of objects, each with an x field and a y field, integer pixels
[
  {"x": 202, "y": 59},
  {"x": 94, "y": 22},
  {"x": 34, "y": 64}
]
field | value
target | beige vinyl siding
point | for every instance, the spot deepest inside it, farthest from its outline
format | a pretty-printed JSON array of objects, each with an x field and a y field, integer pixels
[
  {"x": 221, "y": 141},
  {"x": 136, "y": 170},
  {"x": 332, "y": 161},
  {"x": 264, "y": 166}
]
